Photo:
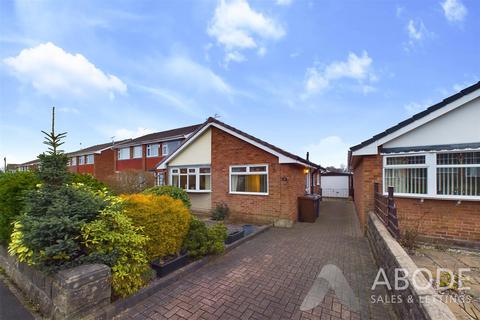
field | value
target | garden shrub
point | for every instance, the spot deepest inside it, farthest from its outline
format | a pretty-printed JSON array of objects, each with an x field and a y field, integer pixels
[
  {"x": 217, "y": 235},
  {"x": 221, "y": 211},
  {"x": 130, "y": 181},
  {"x": 13, "y": 187},
  {"x": 202, "y": 240},
  {"x": 87, "y": 180},
  {"x": 164, "y": 220},
  {"x": 174, "y": 192},
  {"x": 115, "y": 241}
]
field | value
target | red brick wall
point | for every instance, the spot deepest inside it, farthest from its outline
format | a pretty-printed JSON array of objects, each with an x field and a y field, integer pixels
[
  {"x": 365, "y": 174},
  {"x": 104, "y": 164},
  {"x": 282, "y": 199},
  {"x": 443, "y": 219},
  {"x": 85, "y": 168}
]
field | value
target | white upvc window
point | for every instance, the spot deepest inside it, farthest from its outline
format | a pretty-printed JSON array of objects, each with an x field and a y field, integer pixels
[
  {"x": 81, "y": 160},
  {"x": 164, "y": 149},
  {"x": 124, "y": 153},
  {"x": 443, "y": 175},
  {"x": 152, "y": 150},
  {"x": 137, "y": 152},
  {"x": 90, "y": 158},
  {"x": 73, "y": 161},
  {"x": 191, "y": 179},
  {"x": 249, "y": 179}
]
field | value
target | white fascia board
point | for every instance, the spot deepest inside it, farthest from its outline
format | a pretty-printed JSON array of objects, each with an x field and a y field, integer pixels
[
  {"x": 372, "y": 148},
  {"x": 281, "y": 157}
]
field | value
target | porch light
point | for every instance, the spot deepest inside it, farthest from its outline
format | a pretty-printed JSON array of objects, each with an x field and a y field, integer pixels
[{"x": 305, "y": 170}]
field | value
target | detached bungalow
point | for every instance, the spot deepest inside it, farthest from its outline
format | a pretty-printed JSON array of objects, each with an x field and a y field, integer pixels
[
  {"x": 433, "y": 162},
  {"x": 258, "y": 181}
]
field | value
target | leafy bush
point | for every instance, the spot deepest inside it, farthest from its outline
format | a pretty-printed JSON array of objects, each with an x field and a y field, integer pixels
[
  {"x": 113, "y": 240},
  {"x": 174, "y": 192},
  {"x": 202, "y": 240},
  {"x": 130, "y": 181},
  {"x": 87, "y": 180},
  {"x": 221, "y": 211},
  {"x": 164, "y": 220},
  {"x": 13, "y": 187},
  {"x": 217, "y": 235}
]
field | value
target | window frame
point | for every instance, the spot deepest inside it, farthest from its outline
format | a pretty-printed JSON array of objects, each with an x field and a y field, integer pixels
[
  {"x": 81, "y": 160},
  {"x": 133, "y": 152},
  {"x": 73, "y": 161},
  {"x": 431, "y": 165},
  {"x": 89, "y": 156},
  {"x": 149, "y": 150},
  {"x": 197, "y": 177},
  {"x": 164, "y": 147},
  {"x": 247, "y": 172},
  {"x": 120, "y": 152}
]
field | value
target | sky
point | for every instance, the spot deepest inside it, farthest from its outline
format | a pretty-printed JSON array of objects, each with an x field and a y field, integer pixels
[{"x": 317, "y": 76}]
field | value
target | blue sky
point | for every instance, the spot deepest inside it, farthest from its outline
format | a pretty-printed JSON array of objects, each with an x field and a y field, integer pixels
[{"x": 316, "y": 76}]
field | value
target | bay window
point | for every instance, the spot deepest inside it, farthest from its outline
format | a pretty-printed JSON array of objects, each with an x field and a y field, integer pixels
[
  {"x": 191, "y": 178},
  {"x": 249, "y": 179},
  {"x": 447, "y": 175}
]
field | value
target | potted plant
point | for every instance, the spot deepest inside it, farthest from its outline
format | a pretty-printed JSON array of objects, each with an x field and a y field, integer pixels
[{"x": 170, "y": 263}]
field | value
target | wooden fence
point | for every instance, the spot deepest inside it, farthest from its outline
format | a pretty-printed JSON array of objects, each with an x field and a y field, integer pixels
[{"x": 386, "y": 210}]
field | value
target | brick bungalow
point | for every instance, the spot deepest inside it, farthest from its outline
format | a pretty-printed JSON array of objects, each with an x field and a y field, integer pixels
[
  {"x": 258, "y": 181},
  {"x": 433, "y": 162}
]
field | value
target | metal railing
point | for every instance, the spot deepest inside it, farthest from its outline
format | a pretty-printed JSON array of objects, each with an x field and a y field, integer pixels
[{"x": 386, "y": 211}]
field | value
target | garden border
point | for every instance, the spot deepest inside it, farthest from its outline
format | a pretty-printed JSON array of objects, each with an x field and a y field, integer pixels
[{"x": 123, "y": 304}]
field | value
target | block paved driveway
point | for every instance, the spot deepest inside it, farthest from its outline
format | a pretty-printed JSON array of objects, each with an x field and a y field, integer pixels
[{"x": 269, "y": 276}]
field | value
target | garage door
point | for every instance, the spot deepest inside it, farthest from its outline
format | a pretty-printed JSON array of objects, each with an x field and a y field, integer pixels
[{"x": 335, "y": 186}]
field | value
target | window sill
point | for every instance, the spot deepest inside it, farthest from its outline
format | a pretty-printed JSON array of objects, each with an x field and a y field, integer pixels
[
  {"x": 435, "y": 197},
  {"x": 198, "y": 191},
  {"x": 249, "y": 193}
]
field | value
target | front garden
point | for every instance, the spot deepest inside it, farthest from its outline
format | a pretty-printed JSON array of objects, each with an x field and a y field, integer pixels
[{"x": 53, "y": 220}]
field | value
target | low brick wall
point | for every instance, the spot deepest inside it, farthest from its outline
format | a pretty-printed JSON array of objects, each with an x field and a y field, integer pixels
[
  {"x": 389, "y": 255},
  {"x": 68, "y": 294}
]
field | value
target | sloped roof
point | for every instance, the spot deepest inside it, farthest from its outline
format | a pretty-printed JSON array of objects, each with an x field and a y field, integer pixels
[
  {"x": 96, "y": 148},
  {"x": 418, "y": 116},
  {"x": 210, "y": 121},
  {"x": 163, "y": 135}
]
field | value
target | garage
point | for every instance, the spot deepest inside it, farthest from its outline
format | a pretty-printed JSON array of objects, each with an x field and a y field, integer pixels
[{"x": 336, "y": 184}]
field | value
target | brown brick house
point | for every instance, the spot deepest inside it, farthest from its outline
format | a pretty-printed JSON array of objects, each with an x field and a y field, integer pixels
[
  {"x": 258, "y": 181},
  {"x": 433, "y": 162}
]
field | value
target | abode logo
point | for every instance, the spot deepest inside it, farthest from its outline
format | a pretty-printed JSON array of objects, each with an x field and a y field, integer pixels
[{"x": 399, "y": 280}]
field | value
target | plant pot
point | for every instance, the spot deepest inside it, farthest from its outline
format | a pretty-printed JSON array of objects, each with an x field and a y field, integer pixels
[
  {"x": 234, "y": 236},
  {"x": 248, "y": 229},
  {"x": 165, "y": 267}
]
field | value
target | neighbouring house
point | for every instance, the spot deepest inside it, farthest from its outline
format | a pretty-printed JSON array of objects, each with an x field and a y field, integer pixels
[
  {"x": 97, "y": 160},
  {"x": 432, "y": 160},
  {"x": 259, "y": 182},
  {"x": 28, "y": 166},
  {"x": 145, "y": 152},
  {"x": 336, "y": 184}
]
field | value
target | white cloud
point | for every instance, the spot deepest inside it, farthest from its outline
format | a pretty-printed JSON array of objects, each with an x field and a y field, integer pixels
[
  {"x": 234, "y": 56},
  {"x": 236, "y": 26},
  {"x": 417, "y": 33},
  {"x": 329, "y": 151},
  {"x": 197, "y": 75},
  {"x": 124, "y": 133},
  {"x": 284, "y": 2},
  {"x": 53, "y": 71},
  {"x": 414, "y": 108},
  {"x": 174, "y": 99},
  {"x": 355, "y": 67},
  {"x": 454, "y": 10}
]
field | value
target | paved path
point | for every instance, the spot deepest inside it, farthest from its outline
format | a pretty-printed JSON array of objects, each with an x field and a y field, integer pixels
[
  {"x": 10, "y": 307},
  {"x": 269, "y": 276}
]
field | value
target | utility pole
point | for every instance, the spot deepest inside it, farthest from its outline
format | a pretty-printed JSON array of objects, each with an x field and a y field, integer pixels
[{"x": 4, "y": 164}]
